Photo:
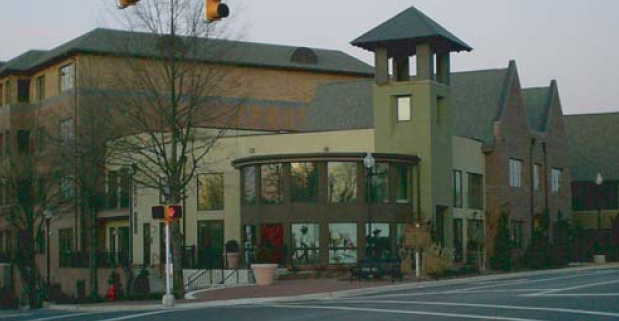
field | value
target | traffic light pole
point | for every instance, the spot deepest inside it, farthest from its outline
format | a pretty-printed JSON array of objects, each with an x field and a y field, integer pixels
[{"x": 168, "y": 298}]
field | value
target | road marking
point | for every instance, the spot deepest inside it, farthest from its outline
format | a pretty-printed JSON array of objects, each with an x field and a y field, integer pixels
[
  {"x": 573, "y": 288},
  {"x": 532, "y": 281},
  {"x": 489, "y": 306},
  {"x": 140, "y": 315},
  {"x": 59, "y": 317},
  {"x": 392, "y": 311},
  {"x": 558, "y": 295},
  {"x": 21, "y": 315}
]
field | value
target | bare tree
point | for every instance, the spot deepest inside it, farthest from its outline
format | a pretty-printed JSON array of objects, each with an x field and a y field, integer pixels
[
  {"x": 30, "y": 185},
  {"x": 172, "y": 109}
]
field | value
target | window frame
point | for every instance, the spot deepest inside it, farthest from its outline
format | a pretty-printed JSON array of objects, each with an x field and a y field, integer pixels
[
  {"x": 199, "y": 188},
  {"x": 477, "y": 205},
  {"x": 457, "y": 194},
  {"x": 515, "y": 172},
  {"x": 66, "y": 85},
  {"x": 556, "y": 182}
]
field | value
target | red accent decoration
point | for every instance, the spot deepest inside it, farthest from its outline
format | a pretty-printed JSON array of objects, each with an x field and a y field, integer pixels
[{"x": 111, "y": 293}]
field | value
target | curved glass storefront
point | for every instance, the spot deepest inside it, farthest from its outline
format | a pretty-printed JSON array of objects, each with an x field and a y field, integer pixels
[{"x": 326, "y": 209}]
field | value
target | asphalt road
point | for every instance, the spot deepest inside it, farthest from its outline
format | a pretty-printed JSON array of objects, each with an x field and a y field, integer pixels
[{"x": 561, "y": 296}]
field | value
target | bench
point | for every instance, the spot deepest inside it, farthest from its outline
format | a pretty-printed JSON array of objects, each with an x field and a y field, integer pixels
[{"x": 375, "y": 269}]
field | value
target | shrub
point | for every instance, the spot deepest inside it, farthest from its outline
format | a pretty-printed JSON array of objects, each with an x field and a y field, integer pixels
[
  {"x": 232, "y": 246},
  {"x": 265, "y": 255},
  {"x": 503, "y": 245},
  {"x": 437, "y": 260}
]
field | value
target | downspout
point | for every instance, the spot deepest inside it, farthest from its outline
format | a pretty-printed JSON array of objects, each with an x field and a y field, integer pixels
[{"x": 532, "y": 185}]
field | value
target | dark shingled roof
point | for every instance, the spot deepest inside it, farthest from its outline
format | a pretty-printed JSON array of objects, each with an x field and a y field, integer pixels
[
  {"x": 410, "y": 27},
  {"x": 139, "y": 44},
  {"x": 22, "y": 62},
  {"x": 349, "y": 105},
  {"x": 538, "y": 107},
  {"x": 593, "y": 146}
]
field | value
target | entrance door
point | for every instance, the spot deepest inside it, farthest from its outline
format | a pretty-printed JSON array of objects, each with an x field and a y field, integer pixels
[
  {"x": 146, "y": 244},
  {"x": 458, "y": 244},
  {"x": 210, "y": 244},
  {"x": 272, "y": 238}
]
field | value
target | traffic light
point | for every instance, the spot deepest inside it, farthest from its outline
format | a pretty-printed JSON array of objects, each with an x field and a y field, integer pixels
[
  {"x": 158, "y": 212},
  {"x": 215, "y": 10},
  {"x": 122, "y": 4},
  {"x": 174, "y": 212}
]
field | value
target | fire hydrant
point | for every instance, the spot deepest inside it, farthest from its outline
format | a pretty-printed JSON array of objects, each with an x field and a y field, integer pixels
[{"x": 111, "y": 293}]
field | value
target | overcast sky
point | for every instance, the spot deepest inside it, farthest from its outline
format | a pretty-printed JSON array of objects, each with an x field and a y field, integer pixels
[{"x": 575, "y": 42}]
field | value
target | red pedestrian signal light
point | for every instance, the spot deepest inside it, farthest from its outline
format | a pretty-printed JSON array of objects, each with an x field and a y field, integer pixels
[
  {"x": 215, "y": 10},
  {"x": 122, "y": 4},
  {"x": 174, "y": 212}
]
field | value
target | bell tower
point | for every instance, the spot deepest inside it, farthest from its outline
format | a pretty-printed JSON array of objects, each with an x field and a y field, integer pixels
[{"x": 412, "y": 113}]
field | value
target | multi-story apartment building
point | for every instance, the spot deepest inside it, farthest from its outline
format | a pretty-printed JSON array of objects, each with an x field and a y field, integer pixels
[{"x": 451, "y": 149}]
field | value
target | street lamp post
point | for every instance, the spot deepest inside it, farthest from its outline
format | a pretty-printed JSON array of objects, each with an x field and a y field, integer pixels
[
  {"x": 368, "y": 162},
  {"x": 48, "y": 213},
  {"x": 599, "y": 180}
]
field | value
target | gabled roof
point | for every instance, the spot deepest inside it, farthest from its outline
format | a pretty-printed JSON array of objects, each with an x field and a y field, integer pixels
[
  {"x": 140, "y": 44},
  {"x": 22, "y": 62},
  {"x": 411, "y": 27},
  {"x": 593, "y": 146},
  {"x": 538, "y": 102}
]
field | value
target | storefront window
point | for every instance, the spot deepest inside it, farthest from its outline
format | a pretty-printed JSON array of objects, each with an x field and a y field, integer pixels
[
  {"x": 304, "y": 182},
  {"x": 249, "y": 243},
  {"x": 342, "y": 182},
  {"x": 378, "y": 241},
  {"x": 342, "y": 243},
  {"x": 249, "y": 185},
  {"x": 380, "y": 183},
  {"x": 306, "y": 242},
  {"x": 210, "y": 192},
  {"x": 272, "y": 181},
  {"x": 402, "y": 183}
]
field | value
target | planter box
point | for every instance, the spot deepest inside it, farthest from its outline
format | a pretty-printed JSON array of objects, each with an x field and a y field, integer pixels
[{"x": 264, "y": 273}]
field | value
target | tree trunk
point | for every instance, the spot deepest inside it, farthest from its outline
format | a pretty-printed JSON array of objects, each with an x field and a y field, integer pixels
[{"x": 177, "y": 248}]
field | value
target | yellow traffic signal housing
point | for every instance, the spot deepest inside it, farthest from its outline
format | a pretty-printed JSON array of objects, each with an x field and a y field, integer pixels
[
  {"x": 215, "y": 10},
  {"x": 122, "y": 4}
]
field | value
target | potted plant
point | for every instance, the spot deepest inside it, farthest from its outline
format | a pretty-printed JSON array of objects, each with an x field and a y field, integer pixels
[
  {"x": 233, "y": 255},
  {"x": 265, "y": 266}
]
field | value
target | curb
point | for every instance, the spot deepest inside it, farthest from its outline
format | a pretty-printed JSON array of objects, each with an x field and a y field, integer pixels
[{"x": 326, "y": 295}]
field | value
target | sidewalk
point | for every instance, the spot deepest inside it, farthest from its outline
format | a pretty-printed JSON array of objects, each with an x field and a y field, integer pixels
[{"x": 289, "y": 290}]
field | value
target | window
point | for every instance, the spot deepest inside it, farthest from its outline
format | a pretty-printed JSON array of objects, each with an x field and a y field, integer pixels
[
  {"x": 23, "y": 91},
  {"x": 272, "y": 180},
  {"x": 476, "y": 191},
  {"x": 342, "y": 243},
  {"x": 40, "y": 88},
  {"x": 515, "y": 172},
  {"x": 476, "y": 238},
  {"x": 303, "y": 182},
  {"x": 210, "y": 192},
  {"x": 40, "y": 139},
  {"x": 126, "y": 184},
  {"x": 249, "y": 185},
  {"x": 342, "y": 182},
  {"x": 380, "y": 183},
  {"x": 518, "y": 234},
  {"x": 378, "y": 244},
  {"x": 306, "y": 242},
  {"x": 536, "y": 170},
  {"x": 68, "y": 186},
  {"x": 40, "y": 242},
  {"x": 404, "y": 108},
  {"x": 457, "y": 188},
  {"x": 556, "y": 178},
  {"x": 402, "y": 183},
  {"x": 67, "y": 131},
  {"x": 7, "y": 93},
  {"x": 67, "y": 77},
  {"x": 112, "y": 189},
  {"x": 65, "y": 240}
]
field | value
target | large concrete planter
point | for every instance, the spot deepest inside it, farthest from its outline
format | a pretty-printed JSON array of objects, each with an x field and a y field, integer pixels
[
  {"x": 599, "y": 259},
  {"x": 233, "y": 259},
  {"x": 264, "y": 273}
]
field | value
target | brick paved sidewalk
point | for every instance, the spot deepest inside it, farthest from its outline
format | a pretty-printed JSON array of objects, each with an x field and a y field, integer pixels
[{"x": 286, "y": 288}]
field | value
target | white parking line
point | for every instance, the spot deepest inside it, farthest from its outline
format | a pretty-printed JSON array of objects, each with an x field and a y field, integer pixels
[
  {"x": 392, "y": 311},
  {"x": 558, "y": 295},
  {"x": 546, "y": 292},
  {"x": 488, "y": 306}
]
